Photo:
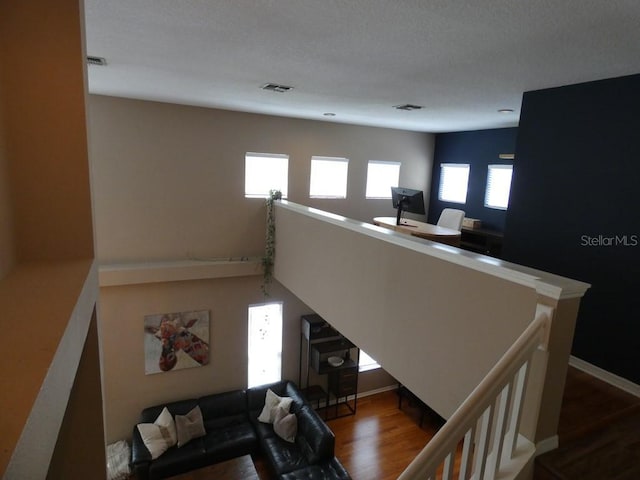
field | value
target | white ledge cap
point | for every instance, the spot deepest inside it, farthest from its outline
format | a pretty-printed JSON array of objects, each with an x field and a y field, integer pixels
[{"x": 545, "y": 283}]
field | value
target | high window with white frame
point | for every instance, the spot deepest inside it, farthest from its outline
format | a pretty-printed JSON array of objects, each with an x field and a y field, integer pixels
[
  {"x": 264, "y": 344},
  {"x": 328, "y": 177},
  {"x": 498, "y": 186},
  {"x": 381, "y": 176},
  {"x": 454, "y": 180},
  {"x": 264, "y": 172}
]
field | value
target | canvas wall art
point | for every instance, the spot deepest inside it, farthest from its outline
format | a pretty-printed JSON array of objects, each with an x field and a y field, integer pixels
[{"x": 173, "y": 341}]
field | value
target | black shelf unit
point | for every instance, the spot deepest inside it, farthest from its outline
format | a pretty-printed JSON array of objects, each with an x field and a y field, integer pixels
[
  {"x": 321, "y": 351},
  {"x": 342, "y": 384},
  {"x": 318, "y": 342}
]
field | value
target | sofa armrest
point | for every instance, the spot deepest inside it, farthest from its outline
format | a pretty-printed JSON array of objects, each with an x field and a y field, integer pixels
[
  {"x": 315, "y": 439},
  {"x": 140, "y": 456}
]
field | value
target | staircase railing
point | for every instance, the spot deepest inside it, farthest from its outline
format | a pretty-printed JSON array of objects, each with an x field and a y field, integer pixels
[{"x": 482, "y": 439}]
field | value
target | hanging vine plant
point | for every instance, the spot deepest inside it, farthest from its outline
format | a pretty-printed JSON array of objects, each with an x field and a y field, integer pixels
[{"x": 270, "y": 243}]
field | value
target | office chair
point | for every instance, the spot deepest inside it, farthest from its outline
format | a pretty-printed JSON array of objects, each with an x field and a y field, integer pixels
[{"x": 451, "y": 218}]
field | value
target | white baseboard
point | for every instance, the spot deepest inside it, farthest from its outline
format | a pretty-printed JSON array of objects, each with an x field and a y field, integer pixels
[
  {"x": 378, "y": 390},
  {"x": 608, "y": 377},
  {"x": 350, "y": 398},
  {"x": 546, "y": 445}
]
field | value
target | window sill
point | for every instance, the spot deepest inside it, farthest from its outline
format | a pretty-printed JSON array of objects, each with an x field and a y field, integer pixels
[{"x": 367, "y": 368}]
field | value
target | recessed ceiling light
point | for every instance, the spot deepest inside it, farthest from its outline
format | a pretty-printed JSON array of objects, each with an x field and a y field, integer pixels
[
  {"x": 329, "y": 114},
  {"x": 505, "y": 110},
  {"x": 100, "y": 61},
  {"x": 408, "y": 107},
  {"x": 274, "y": 87}
]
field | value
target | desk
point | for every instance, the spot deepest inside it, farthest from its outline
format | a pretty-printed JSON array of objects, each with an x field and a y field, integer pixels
[{"x": 420, "y": 229}]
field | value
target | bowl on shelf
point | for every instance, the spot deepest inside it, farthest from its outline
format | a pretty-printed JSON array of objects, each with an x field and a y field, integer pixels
[{"x": 335, "y": 361}]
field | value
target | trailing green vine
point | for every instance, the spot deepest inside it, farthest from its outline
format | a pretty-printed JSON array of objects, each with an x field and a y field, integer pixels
[{"x": 270, "y": 243}]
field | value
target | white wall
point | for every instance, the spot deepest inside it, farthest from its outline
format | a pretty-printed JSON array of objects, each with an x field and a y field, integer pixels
[
  {"x": 423, "y": 317},
  {"x": 128, "y": 390},
  {"x": 168, "y": 183},
  {"x": 168, "y": 180}
]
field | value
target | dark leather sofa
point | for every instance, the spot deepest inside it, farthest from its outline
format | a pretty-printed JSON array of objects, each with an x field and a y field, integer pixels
[{"x": 232, "y": 430}]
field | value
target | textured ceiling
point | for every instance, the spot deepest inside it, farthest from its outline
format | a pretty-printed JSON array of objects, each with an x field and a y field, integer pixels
[{"x": 461, "y": 60}]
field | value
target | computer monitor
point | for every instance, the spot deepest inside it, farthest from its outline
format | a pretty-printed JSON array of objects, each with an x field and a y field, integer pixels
[{"x": 407, "y": 200}]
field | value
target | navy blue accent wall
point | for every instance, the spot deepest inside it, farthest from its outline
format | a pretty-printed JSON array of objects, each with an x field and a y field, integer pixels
[
  {"x": 575, "y": 208},
  {"x": 479, "y": 149}
]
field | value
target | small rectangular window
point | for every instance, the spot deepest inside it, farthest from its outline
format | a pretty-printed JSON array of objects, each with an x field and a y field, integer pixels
[
  {"x": 264, "y": 344},
  {"x": 328, "y": 177},
  {"x": 264, "y": 172},
  {"x": 454, "y": 180},
  {"x": 498, "y": 186},
  {"x": 381, "y": 176}
]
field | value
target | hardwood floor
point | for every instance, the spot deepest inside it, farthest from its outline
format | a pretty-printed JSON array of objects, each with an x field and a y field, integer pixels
[
  {"x": 599, "y": 433},
  {"x": 381, "y": 440},
  {"x": 589, "y": 403}
]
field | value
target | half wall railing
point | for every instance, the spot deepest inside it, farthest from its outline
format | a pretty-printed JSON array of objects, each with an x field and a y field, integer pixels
[
  {"x": 481, "y": 440},
  {"x": 408, "y": 302}
]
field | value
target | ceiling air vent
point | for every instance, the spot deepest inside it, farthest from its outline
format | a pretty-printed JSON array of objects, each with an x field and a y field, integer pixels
[
  {"x": 100, "y": 61},
  {"x": 274, "y": 87},
  {"x": 408, "y": 107}
]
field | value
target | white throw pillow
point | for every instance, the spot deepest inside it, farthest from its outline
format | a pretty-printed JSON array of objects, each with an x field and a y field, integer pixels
[
  {"x": 285, "y": 425},
  {"x": 160, "y": 435},
  {"x": 118, "y": 458},
  {"x": 271, "y": 402},
  {"x": 190, "y": 426}
]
